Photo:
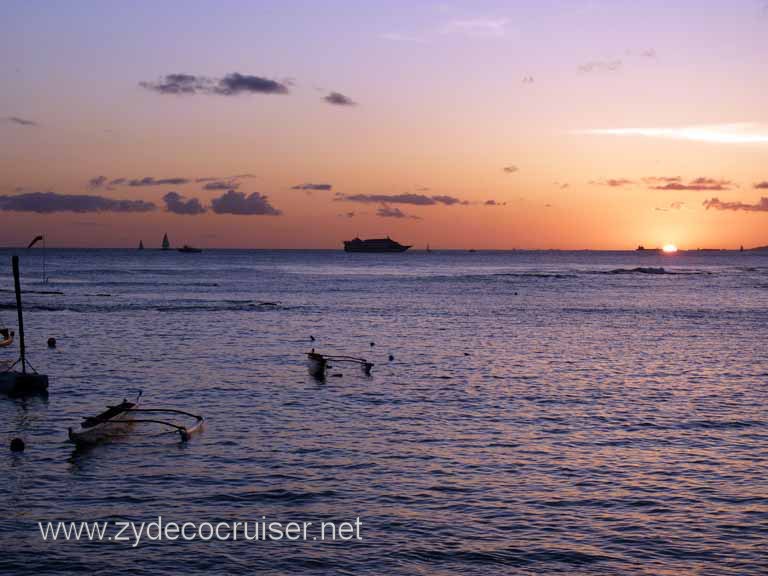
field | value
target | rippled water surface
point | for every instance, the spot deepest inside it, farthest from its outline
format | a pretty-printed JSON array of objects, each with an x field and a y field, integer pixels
[{"x": 574, "y": 412}]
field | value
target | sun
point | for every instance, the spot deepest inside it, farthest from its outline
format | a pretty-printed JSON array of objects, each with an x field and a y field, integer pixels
[{"x": 669, "y": 248}]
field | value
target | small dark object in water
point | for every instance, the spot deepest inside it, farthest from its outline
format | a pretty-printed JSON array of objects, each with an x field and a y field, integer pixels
[
  {"x": 51, "y": 342},
  {"x": 391, "y": 357},
  {"x": 312, "y": 338},
  {"x": 467, "y": 354},
  {"x": 17, "y": 445},
  {"x": 337, "y": 375},
  {"x": 515, "y": 293},
  {"x": 373, "y": 343}
]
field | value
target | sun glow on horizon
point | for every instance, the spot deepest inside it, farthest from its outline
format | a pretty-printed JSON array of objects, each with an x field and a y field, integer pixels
[{"x": 669, "y": 248}]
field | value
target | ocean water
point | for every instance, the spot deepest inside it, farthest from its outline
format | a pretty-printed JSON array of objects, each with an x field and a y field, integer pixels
[{"x": 545, "y": 412}]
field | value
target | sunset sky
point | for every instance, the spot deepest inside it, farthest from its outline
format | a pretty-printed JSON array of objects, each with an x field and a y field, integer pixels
[{"x": 570, "y": 124}]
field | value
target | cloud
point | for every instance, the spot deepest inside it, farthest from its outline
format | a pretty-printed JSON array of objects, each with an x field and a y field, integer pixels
[
  {"x": 21, "y": 121},
  {"x": 347, "y": 215},
  {"x": 149, "y": 181},
  {"x": 239, "y": 83},
  {"x": 422, "y": 188},
  {"x": 695, "y": 184},
  {"x": 527, "y": 80},
  {"x": 761, "y": 185},
  {"x": 49, "y": 202},
  {"x": 232, "y": 202},
  {"x": 510, "y": 169},
  {"x": 649, "y": 53},
  {"x": 654, "y": 180},
  {"x": 494, "y": 203},
  {"x": 717, "y": 204},
  {"x": 408, "y": 198},
  {"x": 477, "y": 27},
  {"x": 97, "y": 182},
  {"x": 178, "y": 204},
  {"x": 739, "y": 133},
  {"x": 600, "y": 66},
  {"x": 388, "y": 212},
  {"x": 339, "y": 99},
  {"x": 613, "y": 182},
  {"x": 310, "y": 186},
  {"x": 230, "y": 85},
  {"x": 225, "y": 178},
  {"x": 672, "y": 206},
  {"x": 220, "y": 184}
]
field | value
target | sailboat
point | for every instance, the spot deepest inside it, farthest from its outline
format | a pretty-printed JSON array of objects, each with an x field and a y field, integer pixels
[
  {"x": 141, "y": 245},
  {"x": 166, "y": 244}
]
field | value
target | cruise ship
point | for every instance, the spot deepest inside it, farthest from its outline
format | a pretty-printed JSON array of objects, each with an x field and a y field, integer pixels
[{"x": 374, "y": 245}]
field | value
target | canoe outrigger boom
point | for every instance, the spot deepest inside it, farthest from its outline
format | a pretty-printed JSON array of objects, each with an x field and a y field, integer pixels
[{"x": 317, "y": 364}]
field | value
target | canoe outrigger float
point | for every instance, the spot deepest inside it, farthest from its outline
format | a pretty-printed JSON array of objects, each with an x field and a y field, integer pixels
[
  {"x": 317, "y": 364},
  {"x": 7, "y": 339},
  {"x": 119, "y": 420}
]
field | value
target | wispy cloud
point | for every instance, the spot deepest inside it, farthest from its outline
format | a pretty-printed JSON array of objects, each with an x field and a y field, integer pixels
[
  {"x": 338, "y": 99},
  {"x": 221, "y": 185},
  {"x": 230, "y": 85},
  {"x": 761, "y": 185},
  {"x": 600, "y": 66},
  {"x": 738, "y": 133},
  {"x": 717, "y": 204},
  {"x": 700, "y": 183},
  {"x": 476, "y": 27},
  {"x": 178, "y": 204},
  {"x": 672, "y": 206},
  {"x": 408, "y": 198},
  {"x": 150, "y": 181},
  {"x": 21, "y": 121},
  {"x": 232, "y": 202},
  {"x": 310, "y": 186},
  {"x": 613, "y": 182},
  {"x": 389, "y": 212},
  {"x": 494, "y": 203},
  {"x": 50, "y": 202},
  {"x": 511, "y": 169}
]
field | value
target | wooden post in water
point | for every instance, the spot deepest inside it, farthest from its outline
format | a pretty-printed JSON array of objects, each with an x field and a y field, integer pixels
[{"x": 17, "y": 287}]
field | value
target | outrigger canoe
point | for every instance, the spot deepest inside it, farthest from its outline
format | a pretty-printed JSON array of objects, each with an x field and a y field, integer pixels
[
  {"x": 120, "y": 420},
  {"x": 318, "y": 364}
]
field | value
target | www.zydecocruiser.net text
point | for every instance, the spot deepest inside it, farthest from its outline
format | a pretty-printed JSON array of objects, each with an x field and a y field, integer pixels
[{"x": 134, "y": 533}]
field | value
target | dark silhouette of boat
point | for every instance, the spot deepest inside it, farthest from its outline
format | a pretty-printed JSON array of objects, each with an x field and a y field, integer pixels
[
  {"x": 141, "y": 245},
  {"x": 166, "y": 243},
  {"x": 187, "y": 249},
  {"x": 374, "y": 245}
]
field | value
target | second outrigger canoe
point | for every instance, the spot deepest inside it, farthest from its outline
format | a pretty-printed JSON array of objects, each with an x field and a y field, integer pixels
[
  {"x": 318, "y": 364},
  {"x": 120, "y": 420}
]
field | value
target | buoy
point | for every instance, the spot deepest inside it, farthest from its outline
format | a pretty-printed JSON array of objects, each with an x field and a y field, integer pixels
[
  {"x": 17, "y": 445},
  {"x": 391, "y": 357},
  {"x": 373, "y": 343},
  {"x": 51, "y": 342},
  {"x": 312, "y": 338}
]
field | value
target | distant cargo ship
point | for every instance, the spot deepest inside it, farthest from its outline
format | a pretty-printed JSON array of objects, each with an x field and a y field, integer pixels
[{"x": 374, "y": 245}]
